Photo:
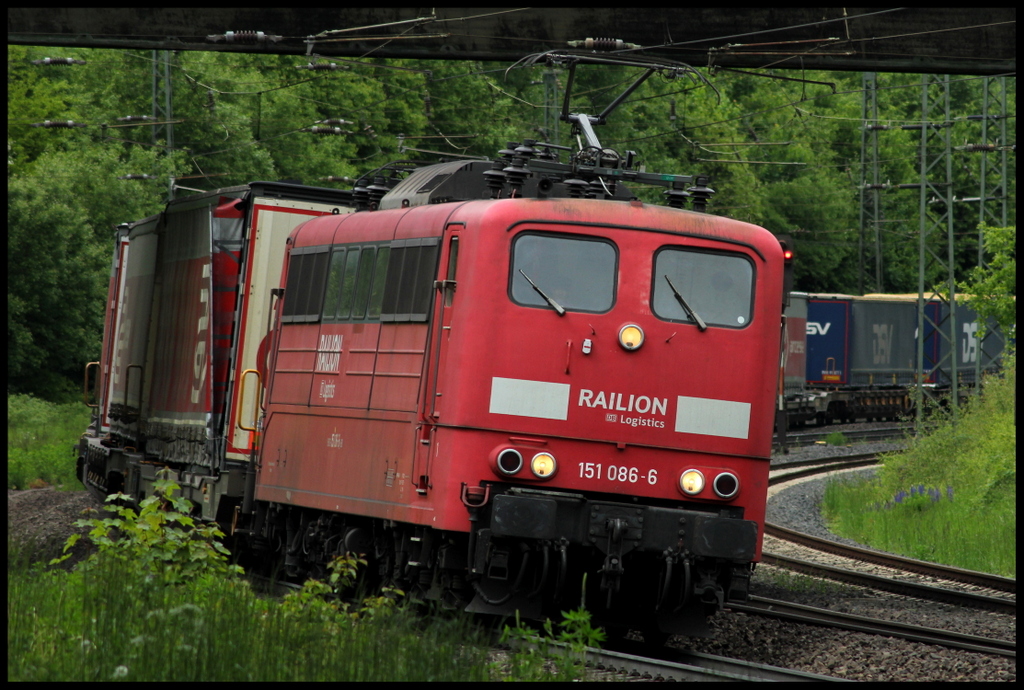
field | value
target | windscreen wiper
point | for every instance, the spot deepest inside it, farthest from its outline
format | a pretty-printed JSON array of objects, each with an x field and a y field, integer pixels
[
  {"x": 693, "y": 315},
  {"x": 554, "y": 305}
]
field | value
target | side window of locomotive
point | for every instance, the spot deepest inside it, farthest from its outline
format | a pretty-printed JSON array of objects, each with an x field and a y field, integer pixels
[
  {"x": 350, "y": 279},
  {"x": 718, "y": 287},
  {"x": 304, "y": 291},
  {"x": 412, "y": 267},
  {"x": 364, "y": 280},
  {"x": 334, "y": 277},
  {"x": 578, "y": 273},
  {"x": 379, "y": 275}
]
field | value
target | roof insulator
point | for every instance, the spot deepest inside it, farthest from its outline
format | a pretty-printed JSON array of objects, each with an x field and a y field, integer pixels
[
  {"x": 377, "y": 190},
  {"x": 516, "y": 173},
  {"x": 700, "y": 193},
  {"x": 495, "y": 178},
  {"x": 509, "y": 152},
  {"x": 577, "y": 187},
  {"x": 677, "y": 196},
  {"x": 361, "y": 194},
  {"x": 333, "y": 121},
  {"x": 526, "y": 150}
]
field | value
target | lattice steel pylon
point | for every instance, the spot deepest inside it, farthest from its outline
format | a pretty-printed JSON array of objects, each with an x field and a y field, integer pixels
[
  {"x": 163, "y": 112},
  {"x": 936, "y": 217},
  {"x": 993, "y": 197},
  {"x": 871, "y": 212}
]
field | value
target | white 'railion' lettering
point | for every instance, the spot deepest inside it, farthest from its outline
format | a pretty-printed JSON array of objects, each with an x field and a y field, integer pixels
[{"x": 618, "y": 401}]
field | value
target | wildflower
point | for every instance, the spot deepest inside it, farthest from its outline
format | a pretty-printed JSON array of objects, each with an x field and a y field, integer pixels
[
  {"x": 949, "y": 492},
  {"x": 120, "y": 672},
  {"x": 913, "y": 491}
]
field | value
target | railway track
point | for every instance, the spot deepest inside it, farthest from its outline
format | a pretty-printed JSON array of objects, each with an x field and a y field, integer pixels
[
  {"x": 890, "y": 583},
  {"x": 946, "y": 572},
  {"x": 817, "y": 616},
  {"x": 634, "y": 660},
  {"x": 808, "y": 438}
]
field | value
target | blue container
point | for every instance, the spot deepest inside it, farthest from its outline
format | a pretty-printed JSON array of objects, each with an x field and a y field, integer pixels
[{"x": 828, "y": 339}]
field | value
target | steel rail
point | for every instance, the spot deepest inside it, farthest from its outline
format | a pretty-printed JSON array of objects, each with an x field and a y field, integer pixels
[
  {"x": 887, "y": 584},
  {"x": 681, "y": 665},
  {"x": 945, "y": 572},
  {"x": 817, "y": 616},
  {"x": 807, "y": 438},
  {"x": 820, "y": 465}
]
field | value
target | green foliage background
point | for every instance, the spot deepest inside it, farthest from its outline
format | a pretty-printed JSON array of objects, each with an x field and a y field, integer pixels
[{"x": 782, "y": 154}]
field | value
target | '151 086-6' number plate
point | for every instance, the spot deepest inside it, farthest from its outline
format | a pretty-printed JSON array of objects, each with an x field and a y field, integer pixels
[{"x": 617, "y": 473}]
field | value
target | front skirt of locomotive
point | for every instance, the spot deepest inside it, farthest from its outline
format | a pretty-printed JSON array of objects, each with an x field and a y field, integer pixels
[{"x": 648, "y": 566}]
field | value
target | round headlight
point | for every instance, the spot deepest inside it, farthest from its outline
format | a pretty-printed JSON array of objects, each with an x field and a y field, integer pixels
[
  {"x": 726, "y": 485},
  {"x": 691, "y": 482},
  {"x": 631, "y": 336},
  {"x": 543, "y": 465},
  {"x": 510, "y": 461}
]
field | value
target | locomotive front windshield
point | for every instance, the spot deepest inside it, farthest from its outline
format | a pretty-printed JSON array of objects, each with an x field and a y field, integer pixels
[
  {"x": 717, "y": 287},
  {"x": 576, "y": 273}
]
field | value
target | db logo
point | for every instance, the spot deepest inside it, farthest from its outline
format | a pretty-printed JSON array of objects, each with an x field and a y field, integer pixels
[{"x": 611, "y": 417}]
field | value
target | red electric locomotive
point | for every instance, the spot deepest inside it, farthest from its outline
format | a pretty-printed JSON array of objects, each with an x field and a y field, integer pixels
[{"x": 502, "y": 383}]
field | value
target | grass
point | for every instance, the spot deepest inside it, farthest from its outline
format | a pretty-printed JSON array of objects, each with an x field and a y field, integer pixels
[
  {"x": 112, "y": 623},
  {"x": 159, "y": 601},
  {"x": 951, "y": 497},
  {"x": 836, "y": 438},
  {"x": 40, "y": 435}
]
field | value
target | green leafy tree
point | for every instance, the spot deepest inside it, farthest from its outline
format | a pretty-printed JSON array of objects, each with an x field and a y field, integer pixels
[
  {"x": 780, "y": 153},
  {"x": 992, "y": 290},
  {"x": 60, "y": 217}
]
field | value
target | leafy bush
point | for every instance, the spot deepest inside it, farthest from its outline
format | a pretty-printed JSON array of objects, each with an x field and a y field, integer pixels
[{"x": 161, "y": 540}]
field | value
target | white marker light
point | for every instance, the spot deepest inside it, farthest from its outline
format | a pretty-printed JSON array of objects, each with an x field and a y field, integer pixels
[
  {"x": 543, "y": 465},
  {"x": 691, "y": 482},
  {"x": 631, "y": 337}
]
